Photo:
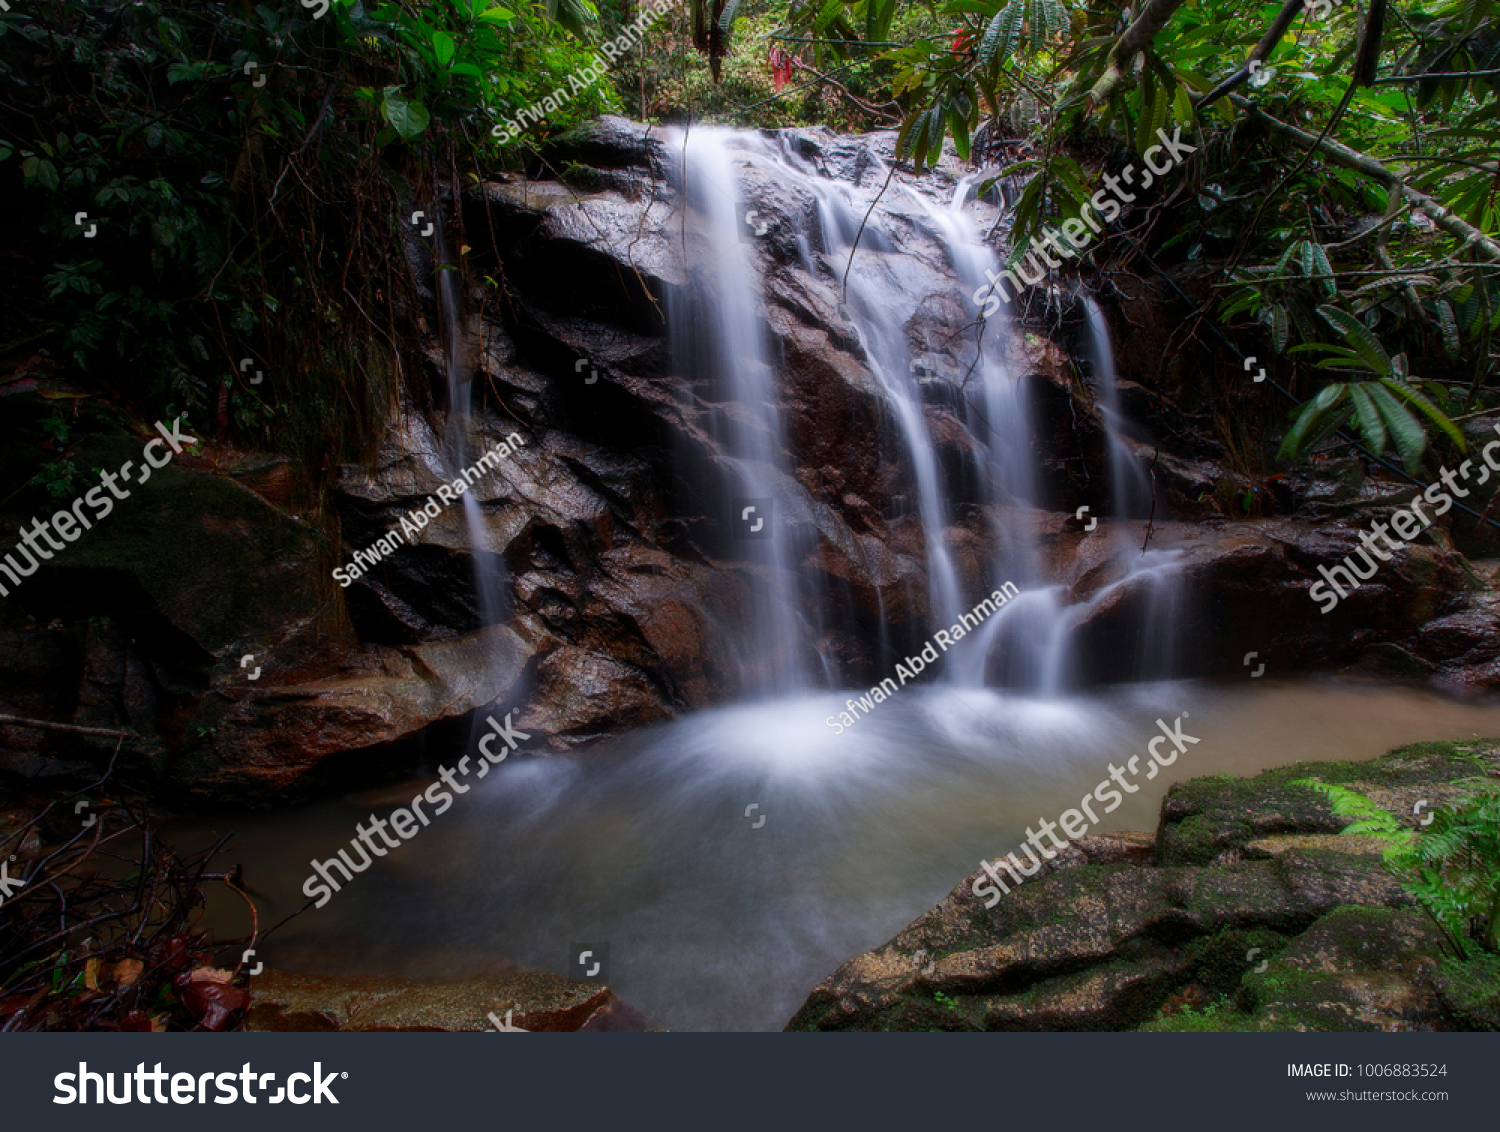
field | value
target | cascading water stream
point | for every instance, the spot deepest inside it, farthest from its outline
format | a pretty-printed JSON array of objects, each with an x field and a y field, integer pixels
[
  {"x": 718, "y": 338},
  {"x": 456, "y": 446},
  {"x": 873, "y": 294},
  {"x": 718, "y": 334},
  {"x": 1129, "y": 487}
]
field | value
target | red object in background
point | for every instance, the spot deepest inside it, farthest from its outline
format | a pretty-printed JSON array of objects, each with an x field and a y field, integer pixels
[
  {"x": 781, "y": 67},
  {"x": 960, "y": 41}
]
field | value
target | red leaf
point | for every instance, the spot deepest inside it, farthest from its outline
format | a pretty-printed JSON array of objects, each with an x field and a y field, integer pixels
[{"x": 212, "y": 1004}]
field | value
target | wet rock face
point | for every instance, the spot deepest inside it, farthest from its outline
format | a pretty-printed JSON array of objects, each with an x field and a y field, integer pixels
[
  {"x": 622, "y": 591},
  {"x": 1245, "y": 911}
]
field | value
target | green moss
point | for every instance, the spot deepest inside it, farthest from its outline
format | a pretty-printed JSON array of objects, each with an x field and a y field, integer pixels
[
  {"x": 1217, "y": 1018},
  {"x": 1470, "y": 991},
  {"x": 1222, "y": 961},
  {"x": 584, "y": 178},
  {"x": 1205, "y": 818}
]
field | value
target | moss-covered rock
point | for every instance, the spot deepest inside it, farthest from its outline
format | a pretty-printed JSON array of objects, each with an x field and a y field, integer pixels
[
  {"x": 1253, "y": 914},
  {"x": 1357, "y": 968},
  {"x": 1470, "y": 991},
  {"x": 1218, "y": 818}
]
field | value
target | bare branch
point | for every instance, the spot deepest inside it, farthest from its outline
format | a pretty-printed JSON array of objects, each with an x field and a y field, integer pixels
[
  {"x": 1367, "y": 166},
  {"x": 47, "y": 725}
]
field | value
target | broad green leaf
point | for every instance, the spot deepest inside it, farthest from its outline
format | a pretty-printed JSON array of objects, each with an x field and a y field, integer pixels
[
  {"x": 960, "y": 128},
  {"x": 1431, "y": 411},
  {"x": 1279, "y": 329},
  {"x": 442, "y": 48},
  {"x": 1001, "y": 36},
  {"x": 1452, "y": 343},
  {"x": 408, "y": 117},
  {"x": 1314, "y": 420},
  {"x": 1324, "y": 269}
]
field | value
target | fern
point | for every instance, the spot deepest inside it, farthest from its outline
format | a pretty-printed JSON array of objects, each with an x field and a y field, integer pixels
[{"x": 1452, "y": 866}]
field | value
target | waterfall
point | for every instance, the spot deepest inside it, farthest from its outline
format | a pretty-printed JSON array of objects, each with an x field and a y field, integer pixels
[
  {"x": 457, "y": 446},
  {"x": 912, "y": 250},
  {"x": 1129, "y": 487},
  {"x": 719, "y": 344}
]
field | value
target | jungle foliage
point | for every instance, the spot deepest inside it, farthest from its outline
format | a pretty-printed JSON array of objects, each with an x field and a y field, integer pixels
[
  {"x": 1345, "y": 177},
  {"x": 216, "y": 192},
  {"x": 1450, "y": 863}
]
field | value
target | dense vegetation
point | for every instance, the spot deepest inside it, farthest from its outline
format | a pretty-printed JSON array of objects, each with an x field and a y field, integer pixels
[
  {"x": 209, "y": 192},
  {"x": 1344, "y": 189}
]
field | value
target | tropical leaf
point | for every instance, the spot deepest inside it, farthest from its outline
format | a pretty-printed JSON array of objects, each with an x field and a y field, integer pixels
[
  {"x": 578, "y": 16},
  {"x": 1452, "y": 343},
  {"x": 1370, "y": 424},
  {"x": 1359, "y": 337},
  {"x": 1410, "y": 440},
  {"x": 1001, "y": 37},
  {"x": 1313, "y": 421},
  {"x": 407, "y": 117},
  {"x": 1280, "y": 331},
  {"x": 1431, "y": 411}
]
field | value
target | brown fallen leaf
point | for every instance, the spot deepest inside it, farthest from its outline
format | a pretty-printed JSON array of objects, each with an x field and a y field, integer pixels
[
  {"x": 212, "y": 1001},
  {"x": 210, "y": 975},
  {"x": 127, "y": 971},
  {"x": 91, "y": 973}
]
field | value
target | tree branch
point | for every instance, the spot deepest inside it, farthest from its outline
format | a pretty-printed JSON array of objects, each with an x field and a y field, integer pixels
[
  {"x": 1259, "y": 54},
  {"x": 1136, "y": 38},
  {"x": 1367, "y": 166}
]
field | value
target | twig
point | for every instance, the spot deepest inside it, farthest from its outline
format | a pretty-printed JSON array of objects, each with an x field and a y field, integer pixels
[
  {"x": 1151, "y": 518},
  {"x": 865, "y": 221},
  {"x": 47, "y": 725},
  {"x": 254, "y": 920}
]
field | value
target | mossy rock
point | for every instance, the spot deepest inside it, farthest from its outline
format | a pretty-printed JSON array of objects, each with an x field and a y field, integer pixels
[
  {"x": 1221, "y": 961},
  {"x": 1470, "y": 991},
  {"x": 1357, "y": 968},
  {"x": 1280, "y": 924},
  {"x": 1218, "y": 1018},
  {"x": 1214, "y": 819}
]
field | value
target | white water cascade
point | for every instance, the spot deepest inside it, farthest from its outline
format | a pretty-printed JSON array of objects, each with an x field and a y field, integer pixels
[
  {"x": 911, "y": 249},
  {"x": 457, "y": 442},
  {"x": 1129, "y": 486}
]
